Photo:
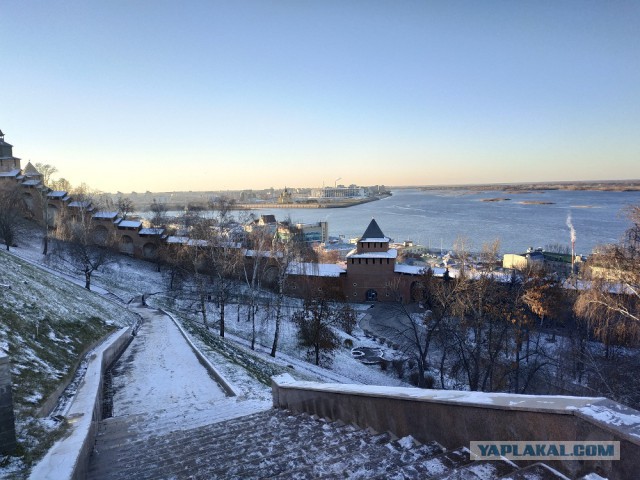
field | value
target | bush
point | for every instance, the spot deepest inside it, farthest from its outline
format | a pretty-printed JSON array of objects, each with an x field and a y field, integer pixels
[
  {"x": 429, "y": 381},
  {"x": 348, "y": 343},
  {"x": 398, "y": 367}
]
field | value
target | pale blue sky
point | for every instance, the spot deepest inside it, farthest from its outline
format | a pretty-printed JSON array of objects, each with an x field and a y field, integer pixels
[{"x": 199, "y": 95}]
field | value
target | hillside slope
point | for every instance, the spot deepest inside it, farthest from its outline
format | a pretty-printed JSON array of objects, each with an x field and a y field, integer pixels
[{"x": 46, "y": 323}]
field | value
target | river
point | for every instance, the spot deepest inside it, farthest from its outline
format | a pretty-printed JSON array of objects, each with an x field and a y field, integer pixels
[{"x": 438, "y": 217}]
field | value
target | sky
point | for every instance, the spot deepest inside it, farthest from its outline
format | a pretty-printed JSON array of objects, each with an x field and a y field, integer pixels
[{"x": 210, "y": 95}]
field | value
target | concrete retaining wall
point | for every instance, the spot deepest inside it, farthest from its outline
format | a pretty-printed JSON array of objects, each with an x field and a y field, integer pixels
[
  {"x": 454, "y": 419},
  {"x": 7, "y": 418},
  {"x": 69, "y": 457}
]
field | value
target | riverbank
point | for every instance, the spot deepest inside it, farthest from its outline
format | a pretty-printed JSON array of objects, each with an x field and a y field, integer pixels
[{"x": 332, "y": 203}]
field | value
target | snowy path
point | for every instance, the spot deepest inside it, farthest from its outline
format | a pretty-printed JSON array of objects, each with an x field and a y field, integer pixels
[{"x": 159, "y": 371}]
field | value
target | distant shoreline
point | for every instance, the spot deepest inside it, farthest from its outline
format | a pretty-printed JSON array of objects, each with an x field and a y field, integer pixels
[
  {"x": 330, "y": 204},
  {"x": 516, "y": 188}
]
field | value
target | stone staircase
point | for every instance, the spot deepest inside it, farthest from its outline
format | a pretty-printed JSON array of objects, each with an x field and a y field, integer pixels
[{"x": 276, "y": 444}]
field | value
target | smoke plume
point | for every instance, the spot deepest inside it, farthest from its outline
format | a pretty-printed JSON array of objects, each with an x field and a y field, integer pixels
[{"x": 573, "y": 230}]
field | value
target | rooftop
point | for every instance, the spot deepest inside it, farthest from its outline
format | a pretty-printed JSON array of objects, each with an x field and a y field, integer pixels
[{"x": 373, "y": 233}]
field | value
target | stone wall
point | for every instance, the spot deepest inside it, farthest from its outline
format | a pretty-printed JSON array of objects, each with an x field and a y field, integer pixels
[
  {"x": 455, "y": 418},
  {"x": 7, "y": 419}
]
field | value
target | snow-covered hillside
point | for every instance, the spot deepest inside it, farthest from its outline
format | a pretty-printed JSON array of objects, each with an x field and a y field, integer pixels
[{"x": 46, "y": 323}]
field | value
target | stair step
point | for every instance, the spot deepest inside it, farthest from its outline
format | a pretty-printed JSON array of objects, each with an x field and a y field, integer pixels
[
  {"x": 215, "y": 444},
  {"x": 483, "y": 469},
  {"x": 238, "y": 446},
  {"x": 537, "y": 471},
  {"x": 119, "y": 431},
  {"x": 277, "y": 444}
]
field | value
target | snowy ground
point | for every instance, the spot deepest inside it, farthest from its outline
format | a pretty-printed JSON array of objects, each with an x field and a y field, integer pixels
[{"x": 127, "y": 278}]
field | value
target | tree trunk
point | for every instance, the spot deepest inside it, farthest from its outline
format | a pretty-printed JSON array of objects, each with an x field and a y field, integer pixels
[
  {"x": 253, "y": 328},
  {"x": 222, "y": 318},
  {"x": 203, "y": 310},
  {"x": 45, "y": 242},
  {"x": 276, "y": 335},
  {"x": 87, "y": 279}
]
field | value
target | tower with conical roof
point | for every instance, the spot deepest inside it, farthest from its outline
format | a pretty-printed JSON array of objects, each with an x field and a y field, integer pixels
[{"x": 371, "y": 267}]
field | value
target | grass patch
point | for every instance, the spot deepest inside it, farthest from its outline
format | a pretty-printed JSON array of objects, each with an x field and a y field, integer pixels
[{"x": 262, "y": 370}]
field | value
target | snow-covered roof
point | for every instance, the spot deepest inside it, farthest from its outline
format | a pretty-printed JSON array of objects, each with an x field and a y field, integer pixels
[
  {"x": 31, "y": 183},
  {"x": 391, "y": 253},
  {"x": 10, "y": 173},
  {"x": 151, "y": 231},
  {"x": 315, "y": 269},
  {"x": 105, "y": 215},
  {"x": 264, "y": 254},
  {"x": 57, "y": 194},
  {"x": 373, "y": 233},
  {"x": 186, "y": 241},
  {"x": 80, "y": 204},
  {"x": 409, "y": 269},
  {"x": 129, "y": 224}
]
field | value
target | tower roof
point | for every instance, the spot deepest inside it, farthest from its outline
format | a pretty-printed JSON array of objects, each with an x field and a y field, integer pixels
[
  {"x": 373, "y": 231},
  {"x": 30, "y": 170}
]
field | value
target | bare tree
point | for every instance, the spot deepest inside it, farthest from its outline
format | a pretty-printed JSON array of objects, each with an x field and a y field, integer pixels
[
  {"x": 316, "y": 322},
  {"x": 158, "y": 214},
  {"x": 260, "y": 248},
  {"x": 61, "y": 184},
  {"x": 78, "y": 244},
  {"x": 47, "y": 172},
  {"x": 11, "y": 211},
  {"x": 284, "y": 252},
  {"x": 220, "y": 259},
  {"x": 222, "y": 208},
  {"x": 125, "y": 206},
  {"x": 611, "y": 300}
]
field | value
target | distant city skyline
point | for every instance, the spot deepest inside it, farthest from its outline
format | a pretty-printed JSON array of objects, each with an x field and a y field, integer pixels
[{"x": 210, "y": 95}]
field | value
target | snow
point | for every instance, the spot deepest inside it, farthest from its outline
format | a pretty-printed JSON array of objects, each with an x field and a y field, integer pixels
[
  {"x": 556, "y": 403},
  {"x": 409, "y": 269},
  {"x": 57, "y": 194},
  {"x": 107, "y": 215},
  {"x": 151, "y": 231},
  {"x": 406, "y": 442},
  {"x": 186, "y": 241},
  {"x": 372, "y": 239},
  {"x": 10, "y": 173},
  {"x": 316, "y": 269},
  {"x": 31, "y": 183},
  {"x": 391, "y": 253},
  {"x": 620, "y": 418},
  {"x": 80, "y": 204},
  {"x": 160, "y": 370},
  {"x": 129, "y": 224}
]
